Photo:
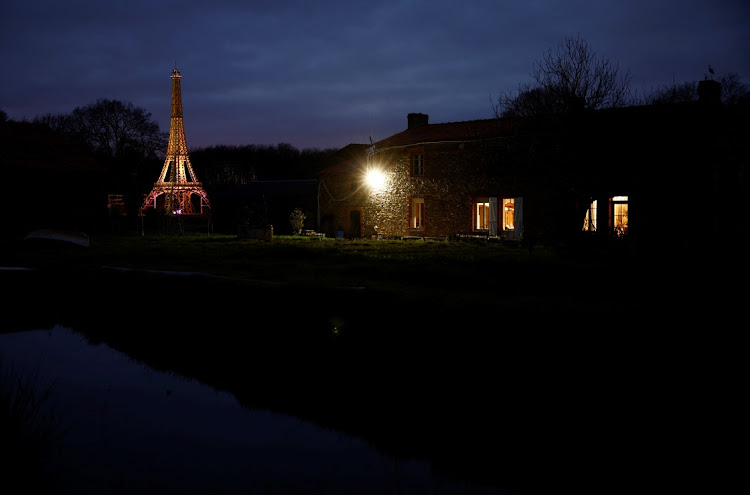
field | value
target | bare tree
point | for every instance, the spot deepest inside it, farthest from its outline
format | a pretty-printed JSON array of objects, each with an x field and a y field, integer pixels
[
  {"x": 571, "y": 77},
  {"x": 673, "y": 93},
  {"x": 111, "y": 129},
  {"x": 733, "y": 91},
  {"x": 122, "y": 137}
]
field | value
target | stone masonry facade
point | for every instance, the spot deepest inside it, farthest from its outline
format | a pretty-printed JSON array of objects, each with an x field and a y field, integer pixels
[{"x": 455, "y": 174}]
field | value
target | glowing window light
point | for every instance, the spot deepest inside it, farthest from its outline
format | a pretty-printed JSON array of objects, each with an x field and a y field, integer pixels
[
  {"x": 482, "y": 220},
  {"x": 509, "y": 211},
  {"x": 375, "y": 179}
]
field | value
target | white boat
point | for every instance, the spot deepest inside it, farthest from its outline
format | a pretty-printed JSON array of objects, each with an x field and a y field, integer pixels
[{"x": 60, "y": 235}]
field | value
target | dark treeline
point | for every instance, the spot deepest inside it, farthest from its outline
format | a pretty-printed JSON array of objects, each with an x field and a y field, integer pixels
[
  {"x": 130, "y": 146},
  {"x": 128, "y": 142},
  {"x": 227, "y": 165},
  {"x": 733, "y": 92}
]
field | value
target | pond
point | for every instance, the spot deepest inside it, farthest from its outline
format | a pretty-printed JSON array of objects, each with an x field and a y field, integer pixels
[{"x": 132, "y": 429}]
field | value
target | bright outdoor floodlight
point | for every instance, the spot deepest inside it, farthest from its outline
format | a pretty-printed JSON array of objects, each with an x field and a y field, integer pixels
[{"x": 375, "y": 179}]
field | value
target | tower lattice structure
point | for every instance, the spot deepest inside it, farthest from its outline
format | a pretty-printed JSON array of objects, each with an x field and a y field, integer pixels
[{"x": 181, "y": 191}]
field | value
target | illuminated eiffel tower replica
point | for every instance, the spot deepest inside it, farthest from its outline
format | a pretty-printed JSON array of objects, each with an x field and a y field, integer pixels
[{"x": 177, "y": 192}]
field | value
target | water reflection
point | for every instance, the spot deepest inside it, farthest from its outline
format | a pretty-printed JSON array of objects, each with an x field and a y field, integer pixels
[{"x": 131, "y": 429}]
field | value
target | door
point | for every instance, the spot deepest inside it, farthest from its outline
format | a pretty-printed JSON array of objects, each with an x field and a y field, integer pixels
[{"x": 355, "y": 229}]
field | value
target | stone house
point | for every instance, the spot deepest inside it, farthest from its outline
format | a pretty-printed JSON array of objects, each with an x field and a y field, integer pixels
[
  {"x": 618, "y": 173},
  {"x": 431, "y": 180}
]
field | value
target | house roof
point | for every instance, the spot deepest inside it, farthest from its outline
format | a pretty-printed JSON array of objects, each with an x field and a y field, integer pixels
[
  {"x": 345, "y": 159},
  {"x": 600, "y": 122},
  {"x": 355, "y": 155},
  {"x": 470, "y": 130}
]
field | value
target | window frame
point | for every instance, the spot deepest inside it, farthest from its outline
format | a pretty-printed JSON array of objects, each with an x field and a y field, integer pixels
[
  {"x": 413, "y": 201},
  {"x": 590, "y": 220},
  {"x": 502, "y": 208},
  {"x": 475, "y": 215},
  {"x": 618, "y": 203},
  {"x": 417, "y": 161}
]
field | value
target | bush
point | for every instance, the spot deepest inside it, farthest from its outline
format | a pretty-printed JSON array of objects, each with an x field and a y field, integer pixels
[{"x": 297, "y": 220}]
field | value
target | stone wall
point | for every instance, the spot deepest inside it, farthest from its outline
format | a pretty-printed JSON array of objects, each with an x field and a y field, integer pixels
[{"x": 454, "y": 176}]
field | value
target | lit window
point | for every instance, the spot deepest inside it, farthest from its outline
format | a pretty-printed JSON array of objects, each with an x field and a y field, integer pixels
[
  {"x": 417, "y": 165},
  {"x": 620, "y": 215},
  {"x": 417, "y": 213},
  {"x": 482, "y": 214},
  {"x": 509, "y": 211},
  {"x": 589, "y": 222}
]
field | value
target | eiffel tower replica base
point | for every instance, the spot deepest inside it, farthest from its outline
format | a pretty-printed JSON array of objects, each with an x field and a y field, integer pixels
[{"x": 187, "y": 198}]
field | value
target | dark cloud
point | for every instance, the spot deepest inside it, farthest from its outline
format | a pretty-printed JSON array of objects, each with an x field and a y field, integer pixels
[{"x": 324, "y": 74}]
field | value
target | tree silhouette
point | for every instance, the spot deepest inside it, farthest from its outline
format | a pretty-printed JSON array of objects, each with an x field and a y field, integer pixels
[
  {"x": 224, "y": 164},
  {"x": 571, "y": 77},
  {"x": 674, "y": 93},
  {"x": 122, "y": 137},
  {"x": 111, "y": 130},
  {"x": 733, "y": 92}
]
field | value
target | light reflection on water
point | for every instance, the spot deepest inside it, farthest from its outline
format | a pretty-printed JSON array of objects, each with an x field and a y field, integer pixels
[{"x": 131, "y": 429}]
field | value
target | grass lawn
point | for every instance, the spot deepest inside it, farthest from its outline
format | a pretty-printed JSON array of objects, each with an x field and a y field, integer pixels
[{"x": 457, "y": 273}]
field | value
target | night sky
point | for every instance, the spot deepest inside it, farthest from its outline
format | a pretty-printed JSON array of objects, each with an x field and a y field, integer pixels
[{"x": 328, "y": 73}]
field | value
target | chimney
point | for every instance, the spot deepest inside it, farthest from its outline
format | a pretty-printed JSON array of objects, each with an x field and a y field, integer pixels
[
  {"x": 416, "y": 120},
  {"x": 709, "y": 91}
]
